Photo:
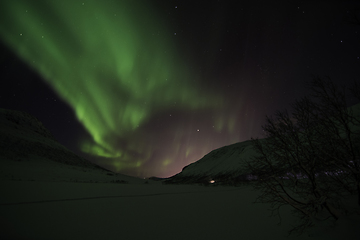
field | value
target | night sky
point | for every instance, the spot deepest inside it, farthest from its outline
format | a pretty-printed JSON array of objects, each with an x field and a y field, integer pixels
[{"x": 145, "y": 88}]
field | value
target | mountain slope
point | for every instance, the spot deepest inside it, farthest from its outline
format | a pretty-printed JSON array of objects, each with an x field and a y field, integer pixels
[
  {"x": 225, "y": 164},
  {"x": 28, "y": 151}
]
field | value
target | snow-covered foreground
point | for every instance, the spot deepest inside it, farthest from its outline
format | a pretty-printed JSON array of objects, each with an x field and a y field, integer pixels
[
  {"x": 67, "y": 210},
  {"x": 47, "y": 192}
]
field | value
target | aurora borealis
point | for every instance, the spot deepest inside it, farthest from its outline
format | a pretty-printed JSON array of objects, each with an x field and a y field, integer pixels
[{"x": 158, "y": 84}]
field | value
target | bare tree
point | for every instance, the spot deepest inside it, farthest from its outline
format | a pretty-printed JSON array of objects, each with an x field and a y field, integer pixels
[
  {"x": 352, "y": 16},
  {"x": 310, "y": 158}
]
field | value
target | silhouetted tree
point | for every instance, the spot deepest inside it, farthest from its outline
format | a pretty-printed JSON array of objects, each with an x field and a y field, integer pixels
[
  {"x": 310, "y": 157},
  {"x": 352, "y": 16}
]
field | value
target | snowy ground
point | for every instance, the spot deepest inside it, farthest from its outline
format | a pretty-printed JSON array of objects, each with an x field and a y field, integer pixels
[
  {"x": 47, "y": 192},
  {"x": 67, "y": 210}
]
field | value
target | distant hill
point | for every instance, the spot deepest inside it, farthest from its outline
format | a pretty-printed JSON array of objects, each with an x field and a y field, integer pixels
[
  {"x": 28, "y": 151},
  {"x": 225, "y": 164}
]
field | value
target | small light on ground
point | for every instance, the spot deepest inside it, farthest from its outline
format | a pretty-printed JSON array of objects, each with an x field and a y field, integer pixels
[{"x": 212, "y": 181}]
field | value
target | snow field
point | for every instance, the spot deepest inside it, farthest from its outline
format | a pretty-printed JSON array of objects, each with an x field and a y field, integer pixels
[{"x": 140, "y": 211}]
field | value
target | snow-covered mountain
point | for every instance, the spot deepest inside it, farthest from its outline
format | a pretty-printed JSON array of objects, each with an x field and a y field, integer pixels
[
  {"x": 225, "y": 164},
  {"x": 53, "y": 206},
  {"x": 28, "y": 151}
]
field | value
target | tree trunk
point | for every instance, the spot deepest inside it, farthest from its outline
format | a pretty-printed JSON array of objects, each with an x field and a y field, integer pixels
[{"x": 335, "y": 213}]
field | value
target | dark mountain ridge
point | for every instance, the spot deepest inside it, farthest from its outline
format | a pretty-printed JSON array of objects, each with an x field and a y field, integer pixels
[
  {"x": 28, "y": 151},
  {"x": 226, "y": 165}
]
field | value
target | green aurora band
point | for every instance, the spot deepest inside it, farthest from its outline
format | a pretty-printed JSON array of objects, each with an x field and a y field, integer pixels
[{"x": 114, "y": 65}]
